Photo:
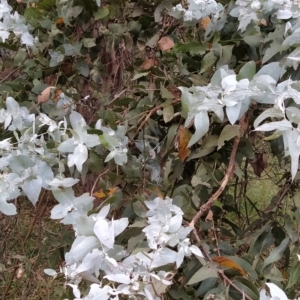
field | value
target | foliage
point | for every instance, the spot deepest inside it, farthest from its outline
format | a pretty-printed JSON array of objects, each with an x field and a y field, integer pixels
[{"x": 148, "y": 124}]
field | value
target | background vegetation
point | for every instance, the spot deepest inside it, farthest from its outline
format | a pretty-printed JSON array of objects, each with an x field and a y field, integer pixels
[{"x": 135, "y": 66}]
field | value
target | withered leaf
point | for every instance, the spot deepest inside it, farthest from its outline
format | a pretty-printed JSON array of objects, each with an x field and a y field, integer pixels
[
  {"x": 184, "y": 136},
  {"x": 165, "y": 44},
  {"x": 45, "y": 95},
  {"x": 259, "y": 163}
]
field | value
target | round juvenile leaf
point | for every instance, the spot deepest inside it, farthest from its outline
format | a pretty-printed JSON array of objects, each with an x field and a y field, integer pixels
[
  {"x": 165, "y": 43},
  {"x": 148, "y": 63}
]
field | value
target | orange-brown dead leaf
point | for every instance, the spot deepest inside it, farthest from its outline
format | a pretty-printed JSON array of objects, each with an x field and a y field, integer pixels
[
  {"x": 100, "y": 194},
  {"x": 228, "y": 263},
  {"x": 259, "y": 163},
  {"x": 283, "y": 273},
  {"x": 150, "y": 190},
  {"x": 60, "y": 21},
  {"x": 148, "y": 63},
  {"x": 263, "y": 22},
  {"x": 165, "y": 44},
  {"x": 20, "y": 272},
  {"x": 204, "y": 22},
  {"x": 184, "y": 137}
]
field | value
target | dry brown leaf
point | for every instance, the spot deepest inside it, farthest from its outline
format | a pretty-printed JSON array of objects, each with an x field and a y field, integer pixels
[
  {"x": 100, "y": 194},
  {"x": 204, "y": 22},
  {"x": 59, "y": 21},
  {"x": 259, "y": 163},
  {"x": 156, "y": 190},
  {"x": 148, "y": 63},
  {"x": 20, "y": 272},
  {"x": 45, "y": 95},
  {"x": 263, "y": 22},
  {"x": 184, "y": 136},
  {"x": 165, "y": 44},
  {"x": 228, "y": 263}
]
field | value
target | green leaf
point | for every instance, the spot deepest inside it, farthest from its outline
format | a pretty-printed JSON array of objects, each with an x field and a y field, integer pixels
[
  {"x": 207, "y": 62},
  {"x": 226, "y": 55},
  {"x": 245, "y": 285},
  {"x": 101, "y": 13},
  {"x": 206, "y": 285},
  {"x": 228, "y": 133},
  {"x": 46, "y": 4},
  {"x": 288, "y": 226},
  {"x": 193, "y": 47},
  {"x": 96, "y": 164},
  {"x": 56, "y": 58},
  {"x": 276, "y": 253},
  {"x": 207, "y": 271},
  {"x": 139, "y": 75},
  {"x": 20, "y": 57},
  {"x": 294, "y": 275},
  {"x": 8, "y": 46},
  {"x": 165, "y": 94},
  {"x": 168, "y": 113},
  {"x": 293, "y": 39},
  {"x": 283, "y": 125},
  {"x": 153, "y": 41},
  {"x": 83, "y": 68},
  {"x": 89, "y": 42},
  {"x": 177, "y": 292},
  {"x": 32, "y": 189},
  {"x": 33, "y": 13},
  {"x": 201, "y": 123},
  {"x": 247, "y": 71},
  {"x": 271, "y": 51}
]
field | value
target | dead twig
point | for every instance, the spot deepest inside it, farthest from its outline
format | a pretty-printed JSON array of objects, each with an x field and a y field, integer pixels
[
  {"x": 152, "y": 111},
  {"x": 12, "y": 72}
]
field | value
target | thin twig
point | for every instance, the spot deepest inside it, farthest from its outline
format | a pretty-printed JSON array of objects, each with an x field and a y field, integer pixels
[
  {"x": 117, "y": 96},
  {"x": 221, "y": 272},
  {"x": 206, "y": 206},
  {"x": 152, "y": 111},
  {"x": 12, "y": 72},
  {"x": 96, "y": 180},
  {"x": 37, "y": 213}
]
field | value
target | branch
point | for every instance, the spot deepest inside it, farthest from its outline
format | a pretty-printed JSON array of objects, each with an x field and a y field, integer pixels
[
  {"x": 220, "y": 271},
  {"x": 152, "y": 111},
  {"x": 245, "y": 296},
  {"x": 206, "y": 206}
]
